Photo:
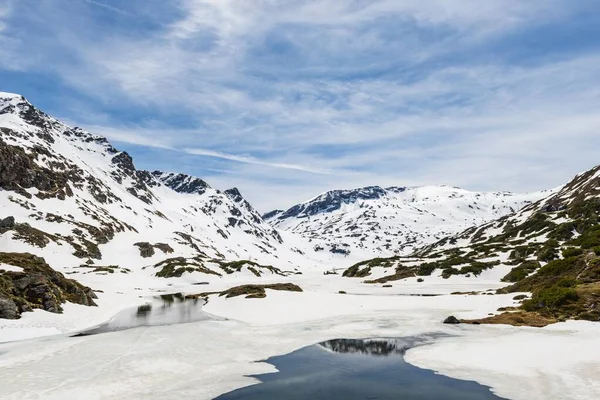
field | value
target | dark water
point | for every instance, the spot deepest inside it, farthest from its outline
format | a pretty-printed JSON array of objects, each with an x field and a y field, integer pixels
[
  {"x": 347, "y": 369},
  {"x": 167, "y": 309}
]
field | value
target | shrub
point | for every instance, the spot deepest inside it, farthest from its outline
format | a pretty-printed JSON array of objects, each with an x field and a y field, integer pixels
[
  {"x": 520, "y": 272},
  {"x": 572, "y": 252},
  {"x": 426, "y": 269},
  {"x": 547, "y": 254},
  {"x": 446, "y": 273},
  {"x": 551, "y": 298},
  {"x": 558, "y": 267},
  {"x": 563, "y": 231}
]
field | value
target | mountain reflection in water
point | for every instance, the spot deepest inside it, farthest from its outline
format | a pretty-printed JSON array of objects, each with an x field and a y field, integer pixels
[
  {"x": 374, "y": 347},
  {"x": 166, "y": 309},
  {"x": 354, "y": 369}
]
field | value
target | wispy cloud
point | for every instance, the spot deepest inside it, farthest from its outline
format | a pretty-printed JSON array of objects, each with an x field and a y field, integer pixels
[
  {"x": 303, "y": 96},
  {"x": 106, "y": 7},
  {"x": 254, "y": 160}
]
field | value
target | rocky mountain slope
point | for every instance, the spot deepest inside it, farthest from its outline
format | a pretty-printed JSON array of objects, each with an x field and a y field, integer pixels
[
  {"x": 394, "y": 220},
  {"x": 550, "y": 248},
  {"x": 72, "y": 198}
]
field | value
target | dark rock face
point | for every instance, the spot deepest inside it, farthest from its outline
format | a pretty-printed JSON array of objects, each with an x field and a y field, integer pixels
[
  {"x": 181, "y": 183},
  {"x": 452, "y": 320},
  {"x": 234, "y": 194},
  {"x": 164, "y": 247},
  {"x": 332, "y": 201},
  {"x": 125, "y": 168},
  {"x": 124, "y": 161},
  {"x": 272, "y": 214},
  {"x": 7, "y": 223},
  {"x": 8, "y": 308},
  {"x": 146, "y": 249},
  {"x": 18, "y": 171},
  {"x": 38, "y": 286}
]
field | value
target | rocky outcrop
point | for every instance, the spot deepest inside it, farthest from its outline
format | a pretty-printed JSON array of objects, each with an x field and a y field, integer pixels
[
  {"x": 251, "y": 291},
  {"x": 452, "y": 320},
  {"x": 19, "y": 171},
  {"x": 7, "y": 223},
  {"x": 146, "y": 249},
  {"x": 37, "y": 286},
  {"x": 181, "y": 183}
]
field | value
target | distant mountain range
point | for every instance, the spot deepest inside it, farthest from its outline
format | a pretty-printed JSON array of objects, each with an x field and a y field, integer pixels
[
  {"x": 394, "y": 220},
  {"x": 72, "y": 204}
]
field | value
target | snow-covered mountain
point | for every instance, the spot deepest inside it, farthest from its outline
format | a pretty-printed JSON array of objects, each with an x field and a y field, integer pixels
[
  {"x": 550, "y": 248},
  {"x": 72, "y": 198},
  {"x": 394, "y": 220}
]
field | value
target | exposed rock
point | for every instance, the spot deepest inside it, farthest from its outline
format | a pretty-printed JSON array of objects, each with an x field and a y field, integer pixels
[
  {"x": 177, "y": 266},
  {"x": 7, "y": 223},
  {"x": 18, "y": 171},
  {"x": 252, "y": 291},
  {"x": 333, "y": 200},
  {"x": 37, "y": 286},
  {"x": 181, "y": 183},
  {"x": 8, "y": 308},
  {"x": 165, "y": 248},
  {"x": 146, "y": 249},
  {"x": 452, "y": 320}
]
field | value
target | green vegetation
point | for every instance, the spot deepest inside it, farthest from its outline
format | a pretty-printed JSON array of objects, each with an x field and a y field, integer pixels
[
  {"x": 565, "y": 288},
  {"x": 37, "y": 286},
  {"x": 449, "y": 266},
  {"x": 254, "y": 267},
  {"x": 554, "y": 297},
  {"x": 520, "y": 272},
  {"x": 250, "y": 291},
  {"x": 363, "y": 268},
  {"x": 175, "y": 267},
  {"x": 571, "y": 252}
]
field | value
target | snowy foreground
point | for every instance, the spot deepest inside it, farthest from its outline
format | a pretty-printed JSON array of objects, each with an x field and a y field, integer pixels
[{"x": 204, "y": 359}]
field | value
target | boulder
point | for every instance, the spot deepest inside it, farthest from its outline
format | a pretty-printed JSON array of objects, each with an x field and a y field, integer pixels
[
  {"x": 7, "y": 223},
  {"x": 37, "y": 287},
  {"x": 452, "y": 320},
  {"x": 8, "y": 308},
  {"x": 146, "y": 249}
]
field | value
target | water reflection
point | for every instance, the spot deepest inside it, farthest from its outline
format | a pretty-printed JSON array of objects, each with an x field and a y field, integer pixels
[
  {"x": 351, "y": 369},
  {"x": 167, "y": 309},
  {"x": 374, "y": 347}
]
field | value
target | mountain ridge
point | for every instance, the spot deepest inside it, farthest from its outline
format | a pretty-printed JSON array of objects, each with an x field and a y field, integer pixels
[{"x": 406, "y": 217}]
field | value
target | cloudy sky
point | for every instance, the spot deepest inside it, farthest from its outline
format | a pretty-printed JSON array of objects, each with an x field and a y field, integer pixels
[{"x": 289, "y": 98}]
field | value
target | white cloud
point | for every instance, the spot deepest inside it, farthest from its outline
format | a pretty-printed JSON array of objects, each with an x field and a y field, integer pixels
[
  {"x": 254, "y": 160},
  {"x": 352, "y": 92},
  {"x": 107, "y": 7}
]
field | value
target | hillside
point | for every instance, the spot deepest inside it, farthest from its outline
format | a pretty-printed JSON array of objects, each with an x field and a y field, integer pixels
[
  {"x": 395, "y": 220},
  {"x": 72, "y": 198},
  {"x": 550, "y": 248}
]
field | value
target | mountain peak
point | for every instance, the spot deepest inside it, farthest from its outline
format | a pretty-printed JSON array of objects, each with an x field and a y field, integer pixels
[
  {"x": 395, "y": 219},
  {"x": 181, "y": 183},
  {"x": 234, "y": 194}
]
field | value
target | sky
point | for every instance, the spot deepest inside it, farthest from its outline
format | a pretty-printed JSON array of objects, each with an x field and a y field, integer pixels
[{"x": 287, "y": 99}]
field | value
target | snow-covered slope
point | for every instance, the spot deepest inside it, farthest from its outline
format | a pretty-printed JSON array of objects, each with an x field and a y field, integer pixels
[
  {"x": 550, "y": 248},
  {"x": 394, "y": 220},
  {"x": 81, "y": 204}
]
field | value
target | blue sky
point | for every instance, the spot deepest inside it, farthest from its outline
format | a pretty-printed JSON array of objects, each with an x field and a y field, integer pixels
[{"x": 287, "y": 99}]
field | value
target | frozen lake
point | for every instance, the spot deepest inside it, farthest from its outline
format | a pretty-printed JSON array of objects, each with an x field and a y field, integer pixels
[{"x": 353, "y": 369}]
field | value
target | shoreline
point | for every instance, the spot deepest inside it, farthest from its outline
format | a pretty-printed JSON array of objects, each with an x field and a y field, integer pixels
[{"x": 165, "y": 360}]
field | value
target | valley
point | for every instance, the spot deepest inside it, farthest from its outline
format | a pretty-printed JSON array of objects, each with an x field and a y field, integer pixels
[{"x": 85, "y": 236}]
